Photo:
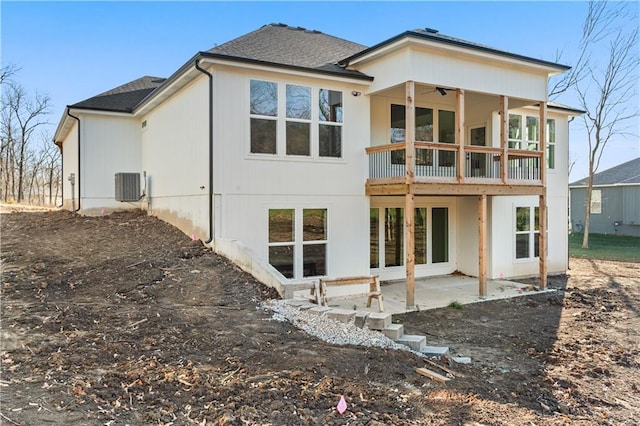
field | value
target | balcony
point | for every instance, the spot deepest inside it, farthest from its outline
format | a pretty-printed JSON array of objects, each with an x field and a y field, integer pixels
[{"x": 439, "y": 171}]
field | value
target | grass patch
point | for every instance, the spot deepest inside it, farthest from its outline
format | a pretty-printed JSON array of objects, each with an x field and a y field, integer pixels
[
  {"x": 606, "y": 247},
  {"x": 455, "y": 305}
]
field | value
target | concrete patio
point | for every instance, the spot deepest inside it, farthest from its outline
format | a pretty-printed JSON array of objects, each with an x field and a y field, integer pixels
[{"x": 435, "y": 292}]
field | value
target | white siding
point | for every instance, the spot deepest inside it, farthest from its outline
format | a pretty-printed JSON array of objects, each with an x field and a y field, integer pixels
[
  {"x": 448, "y": 69},
  {"x": 70, "y": 165},
  {"x": 109, "y": 145},
  {"x": 175, "y": 156}
]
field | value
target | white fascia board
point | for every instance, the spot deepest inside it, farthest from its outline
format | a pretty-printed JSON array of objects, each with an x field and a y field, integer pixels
[
  {"x": 463, "y": 51},
  {"x": 286, "y": 71},
  {"x": 608, "y": 185}
]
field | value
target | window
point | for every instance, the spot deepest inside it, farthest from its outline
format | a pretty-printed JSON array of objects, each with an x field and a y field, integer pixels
[
  {"x": 394, "y": 237},
  {"x": 298, "y": 128},
  {"x": 263, "y": 112},
  {"x": 530, "y": 138},
  {"x": 527, "y": 232},
  {"x": 298, "y": 254},
  {"x": 551, "y": 143},
  {"x": 300, "y": 116},
  {"x": 596, "y": 201},
  {"x": 330, "y": 123},
  {"x": 374, "y": 238}
]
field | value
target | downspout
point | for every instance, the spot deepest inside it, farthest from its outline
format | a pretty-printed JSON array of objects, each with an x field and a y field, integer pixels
[
  {"x": 202, "y": 70},
  {"x": 72, "y": 195}
]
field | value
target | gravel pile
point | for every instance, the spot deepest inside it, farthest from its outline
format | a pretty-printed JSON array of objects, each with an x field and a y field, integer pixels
[{"x": 330, "y": 330}]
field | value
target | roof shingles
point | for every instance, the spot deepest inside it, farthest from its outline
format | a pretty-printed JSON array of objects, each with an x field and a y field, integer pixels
[
  {"x": 625, "y": 173},
  {"x": 122, "y": 98}
]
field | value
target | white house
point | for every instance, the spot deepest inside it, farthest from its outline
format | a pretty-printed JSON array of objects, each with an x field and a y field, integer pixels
[{"x": 298, "y": 154}]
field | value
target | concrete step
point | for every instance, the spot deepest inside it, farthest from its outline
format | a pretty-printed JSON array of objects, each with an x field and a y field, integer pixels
[
  {"x": 360, "y": 319},
  {"x": 320, "y": 310},
  {"x": 342, "y": 315},
  {"x": 415, "y": 342},
  {"x": 435, "y": 350},
  {"x": 378, "y": 321},
  {"x": 394, "y": 331}
]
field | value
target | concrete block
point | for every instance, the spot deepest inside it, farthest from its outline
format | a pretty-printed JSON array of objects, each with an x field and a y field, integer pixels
[
  {"x": 435, "y": 350},
  {"x": 342, "y": 315},
  {"x": 461, "y": 359},
  {"x": 413, "y": 341},
  {"x": 394, "y": 331},
  {"x": 378, "y": 321},
  {"x": 307, "y": 306},
  {"x": 360, "y": 319},
  {"x": 296, "y": 303},
  {"x": 319, "y": 310}
]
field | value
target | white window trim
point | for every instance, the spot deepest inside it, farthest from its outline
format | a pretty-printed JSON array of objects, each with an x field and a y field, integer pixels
[{"x": 532, "y": 232}]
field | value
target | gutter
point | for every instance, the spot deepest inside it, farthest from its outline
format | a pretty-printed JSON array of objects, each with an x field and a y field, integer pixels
[
  {"x": 72, "y": 195},
  {"x": 210, "y": 184}
]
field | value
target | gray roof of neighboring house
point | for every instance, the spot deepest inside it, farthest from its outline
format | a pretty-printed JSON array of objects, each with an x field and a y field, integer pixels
[
  {"x": 123, "y": 98},
  {"x": 280, "y": 44},
  {"x": 626, "y": 173}
]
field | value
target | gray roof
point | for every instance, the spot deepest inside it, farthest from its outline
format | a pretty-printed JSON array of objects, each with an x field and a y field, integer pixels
[
  {"x": 624, "y": 173},
  {"x": 434, "y": 35},
  {"x": 123, "y": 98},
  {"x": 283, "y": 45}
]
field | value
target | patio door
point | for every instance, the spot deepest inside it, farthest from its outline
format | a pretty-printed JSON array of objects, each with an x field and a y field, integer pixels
[
  {"x": 477, "y": 162},
  {"x": 387, "y": 236}
]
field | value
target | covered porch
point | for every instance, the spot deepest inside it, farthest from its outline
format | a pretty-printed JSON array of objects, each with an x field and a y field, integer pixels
[{"x": 456, "y": 142}]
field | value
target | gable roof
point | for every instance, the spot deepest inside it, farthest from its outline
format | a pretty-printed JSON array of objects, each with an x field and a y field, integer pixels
[
  {"x": 433, "y": 35},
  {"x": 123, "y": 98},
  {"x": 625, "y": 173},
  {"x": 297, "y": 47}
]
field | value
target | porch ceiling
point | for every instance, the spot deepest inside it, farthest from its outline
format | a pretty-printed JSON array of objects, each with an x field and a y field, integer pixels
[{"x": 428, "y": 94}]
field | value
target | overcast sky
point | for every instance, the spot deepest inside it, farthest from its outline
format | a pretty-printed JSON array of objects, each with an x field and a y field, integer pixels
[{"x": 75, "y": 50}]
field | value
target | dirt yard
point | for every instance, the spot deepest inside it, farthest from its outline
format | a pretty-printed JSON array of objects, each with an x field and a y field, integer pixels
[{"x": 124, "y": 320}]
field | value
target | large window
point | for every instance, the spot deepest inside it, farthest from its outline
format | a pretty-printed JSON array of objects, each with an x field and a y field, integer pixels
[
  {"x": 263, "y": 112},
  {"x": 303, "y": 112},
  {"x": 527, "y": 232},
  {"x": 298, "y": 242}
]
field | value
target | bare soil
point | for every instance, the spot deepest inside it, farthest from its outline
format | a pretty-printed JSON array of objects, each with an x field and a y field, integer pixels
[{"x": 122, "y": 319}]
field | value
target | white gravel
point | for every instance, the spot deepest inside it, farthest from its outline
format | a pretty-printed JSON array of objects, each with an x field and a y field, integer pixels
[{"x": 330, "y": 330}]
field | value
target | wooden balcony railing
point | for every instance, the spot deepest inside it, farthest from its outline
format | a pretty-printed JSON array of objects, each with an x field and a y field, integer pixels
[{"x": 438, "y": 162}]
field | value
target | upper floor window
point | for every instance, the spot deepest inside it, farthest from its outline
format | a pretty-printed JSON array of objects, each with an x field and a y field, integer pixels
[
  {"x": 330, "y": 123},
  {"x": 263, "y": 112},
  {"x": 298, "y": 121},
  {"x": 551, "y": 143},
  {"x": 527, "y": 138}
]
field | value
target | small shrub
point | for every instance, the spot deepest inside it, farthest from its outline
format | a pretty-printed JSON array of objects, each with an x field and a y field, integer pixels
[{"x": 455, "y": 305}]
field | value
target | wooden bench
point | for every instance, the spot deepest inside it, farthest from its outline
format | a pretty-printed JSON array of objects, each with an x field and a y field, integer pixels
[{"x": 319, "y": 289}]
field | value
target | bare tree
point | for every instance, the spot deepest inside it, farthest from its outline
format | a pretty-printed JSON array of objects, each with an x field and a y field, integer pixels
[
  {"x": 21, "y": 117},
  {"x": 609, "y": 87}
]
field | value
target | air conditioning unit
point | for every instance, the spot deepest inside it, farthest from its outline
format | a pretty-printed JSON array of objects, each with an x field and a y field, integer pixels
[{"x": 127, "y": 186}]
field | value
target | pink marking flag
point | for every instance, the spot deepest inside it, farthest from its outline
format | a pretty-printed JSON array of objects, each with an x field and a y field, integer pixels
[{"x": 342, "y": 405}]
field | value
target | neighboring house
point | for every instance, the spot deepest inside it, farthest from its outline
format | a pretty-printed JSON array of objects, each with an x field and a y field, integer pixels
[
  {"x": 297, "y": 155},
  {"x": 615, "y": 201}
]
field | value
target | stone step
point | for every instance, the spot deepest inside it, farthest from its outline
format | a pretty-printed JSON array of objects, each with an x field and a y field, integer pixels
[
  {"x": 435, "y": 350},
  {"x": 342, "y": 315},
  {"x": 378, "y": 321},
  {"x": 320, "y": 310},
  {"x": 394, "y": 331},
  {"x": 360, "y": 319},
  {"x": 415, "y": 342}
]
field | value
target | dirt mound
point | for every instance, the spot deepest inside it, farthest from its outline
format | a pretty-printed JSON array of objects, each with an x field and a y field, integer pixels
[{"x": 123, "y": 319}]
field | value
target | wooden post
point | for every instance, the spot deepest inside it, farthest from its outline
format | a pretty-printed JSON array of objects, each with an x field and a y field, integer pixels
[
  {"x": 460, "y": 134},
  {"x": 542, "y": 249},
  {"x": 504, "y": 138},
  {"x": 543, "y": 142},
  {"x": 409, "y": 223},
  {"x": 482, "y": 245}
]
